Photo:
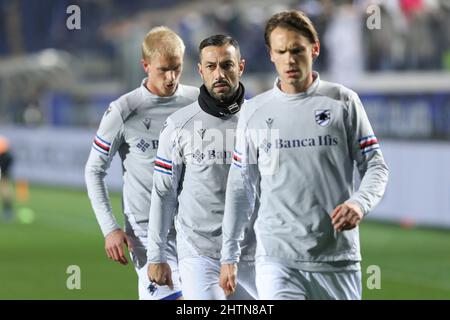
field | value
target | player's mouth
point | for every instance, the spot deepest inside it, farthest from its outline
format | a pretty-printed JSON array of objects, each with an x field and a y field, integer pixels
[
  {"x": 221, "y": 86},
  {"x": 293, "y": 73},
  {"x": 170, "y": 86}
]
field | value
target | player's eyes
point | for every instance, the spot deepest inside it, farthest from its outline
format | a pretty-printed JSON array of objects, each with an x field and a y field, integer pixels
[{"x": 297, "y": 50}]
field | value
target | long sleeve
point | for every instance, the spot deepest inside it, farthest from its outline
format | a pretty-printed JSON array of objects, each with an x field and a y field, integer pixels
[
  {"x": 105, "y": 144},
  {"x": 366, "y": 151},
  {"x": 164, "y": 201},
  {"x": 243, "y": 179}
]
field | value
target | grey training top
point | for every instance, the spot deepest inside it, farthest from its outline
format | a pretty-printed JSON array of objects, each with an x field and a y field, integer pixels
[
  {"x": 131, "y": 126},
  {"x": 191, "y": 170},
  {"x": 296, "y": 153}
]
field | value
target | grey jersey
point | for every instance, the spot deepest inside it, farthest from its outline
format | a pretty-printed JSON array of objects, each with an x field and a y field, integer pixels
[
  {"x": 191, "y": 170},
  {"x": 296, "y": 152},
  {"x": 130, "y": 126}
]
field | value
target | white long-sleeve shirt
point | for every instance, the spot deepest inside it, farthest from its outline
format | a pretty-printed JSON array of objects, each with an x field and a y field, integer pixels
[
  {"x": 191, "y": 170},
  {"x": 296, "y": 153},
  {"x": 130, "y": 126}
]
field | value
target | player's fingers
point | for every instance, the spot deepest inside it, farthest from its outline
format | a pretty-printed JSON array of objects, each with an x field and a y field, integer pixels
[
  {"x": 122, "y": 259},
  {"x": 107, "y": 253},
  {"x": 339, "y": 225},
  {"x": 336, "y": 211},
  {"x": 232, "y": 282},
  {"x": 336, "y": 219},
  {"x": 338, "y": 216},
  {"x": 342, "y": 214},
  {"x": 354, "y": 221},
  {"x": 110, "y": 254},
  {"x": 231, "y": 287},
  {"x": 225, "y": 285},
  {"x": 114, "y": 254},
  {"x": 227, "y": 291},
  {"x": 169, "y": 281},
  {"x": 223, "y": 281}
]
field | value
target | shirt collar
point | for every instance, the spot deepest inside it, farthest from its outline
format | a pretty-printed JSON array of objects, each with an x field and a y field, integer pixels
[
  {"x": 293, "y": 96},
  {"x": 150, "y": 95}
]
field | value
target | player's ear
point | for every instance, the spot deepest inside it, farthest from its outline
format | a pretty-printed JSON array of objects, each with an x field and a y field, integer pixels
[
  {"x": 241, "y": 67},
  {"x": 315, "y": 50},
  {"x": 145, "y": 65}
]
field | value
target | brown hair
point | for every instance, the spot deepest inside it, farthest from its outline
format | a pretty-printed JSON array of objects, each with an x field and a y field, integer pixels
[
  {"x": 294, "y": 20},
  {"x": 161, "y": 40}
]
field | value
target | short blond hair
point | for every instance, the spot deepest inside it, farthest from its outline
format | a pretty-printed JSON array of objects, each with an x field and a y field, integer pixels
[{"x": 161, "y": 40}]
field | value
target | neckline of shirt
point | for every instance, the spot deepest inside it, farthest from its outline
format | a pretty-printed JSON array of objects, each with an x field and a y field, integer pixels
[
  {"x": 148, "y": 94},
  {"x": 301, "y": 95}
]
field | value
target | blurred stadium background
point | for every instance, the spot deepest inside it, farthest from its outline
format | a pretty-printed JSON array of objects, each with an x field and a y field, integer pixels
[{"x": 55, "y": 84}]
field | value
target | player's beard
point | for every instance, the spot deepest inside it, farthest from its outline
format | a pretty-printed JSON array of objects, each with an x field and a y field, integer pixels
[{"x": 223, "y": 96}]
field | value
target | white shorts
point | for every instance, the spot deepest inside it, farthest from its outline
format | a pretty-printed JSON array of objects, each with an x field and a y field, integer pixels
[
  {"x": 200, "y": 279},
  {"x": 152, "y": 291},
  {"x": 277, "y": 282}
]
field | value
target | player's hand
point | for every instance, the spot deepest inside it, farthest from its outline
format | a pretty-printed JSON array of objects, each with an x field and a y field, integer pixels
[
  {"x": 114, "y": 242},
  {"x": 228, "y": 275},
  {"x": 160, "y": 273},
  {"x": 346, "y": 216}
]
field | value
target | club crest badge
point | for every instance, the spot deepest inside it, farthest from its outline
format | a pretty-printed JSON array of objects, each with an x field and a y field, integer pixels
[{"x": 323, "y": 117}]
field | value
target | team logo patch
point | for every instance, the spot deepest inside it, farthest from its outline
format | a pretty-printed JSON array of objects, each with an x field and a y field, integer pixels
[
  {"x": 269, "y": 122},
  {"x": 147, "y": 122},
  {"x": 152, "y": 288},
  {"x": 323, "y": 117},
  {"x": 143, "y": 145},
  {"x": 198, "y": 156}
]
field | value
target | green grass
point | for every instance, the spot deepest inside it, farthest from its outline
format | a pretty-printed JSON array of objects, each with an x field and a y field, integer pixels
[
  {"x": 34, "y": 257},
  {"x": 414, "y": 263}
]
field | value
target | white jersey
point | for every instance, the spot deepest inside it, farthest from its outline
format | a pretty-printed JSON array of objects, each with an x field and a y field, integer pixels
[
  {"x": 191, "y": 170},
  {"x": 130, "y": 126},
  {"x": 296, "y": 153}
]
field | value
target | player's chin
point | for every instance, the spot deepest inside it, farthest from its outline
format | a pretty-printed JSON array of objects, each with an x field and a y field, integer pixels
[
  {"x": 221, "y": 95},
  {"x": 168, "y": 90}
]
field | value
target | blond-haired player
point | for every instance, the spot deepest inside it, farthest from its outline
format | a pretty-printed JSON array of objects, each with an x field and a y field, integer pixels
[{"x": 131, "y": 126}]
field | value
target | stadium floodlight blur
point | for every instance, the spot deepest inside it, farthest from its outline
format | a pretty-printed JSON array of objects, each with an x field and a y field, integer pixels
[
  {"x": 39, "y": 65},
  {"x": 50, "y": 69}
]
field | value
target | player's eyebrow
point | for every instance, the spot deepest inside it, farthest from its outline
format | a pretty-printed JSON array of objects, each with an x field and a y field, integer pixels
[
  {"x": 227, "y": 61},
  {"x": 170, "y": 67}
]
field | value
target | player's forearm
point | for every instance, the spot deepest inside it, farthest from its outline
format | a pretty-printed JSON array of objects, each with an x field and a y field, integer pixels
[
  {"x": 233, "y": 228},
  {"x": 163, "y": 206},
  {"x": 236, "y": 217},
  {"x": 373, "y": 185},
  {"x": 98, "y": 195}
]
